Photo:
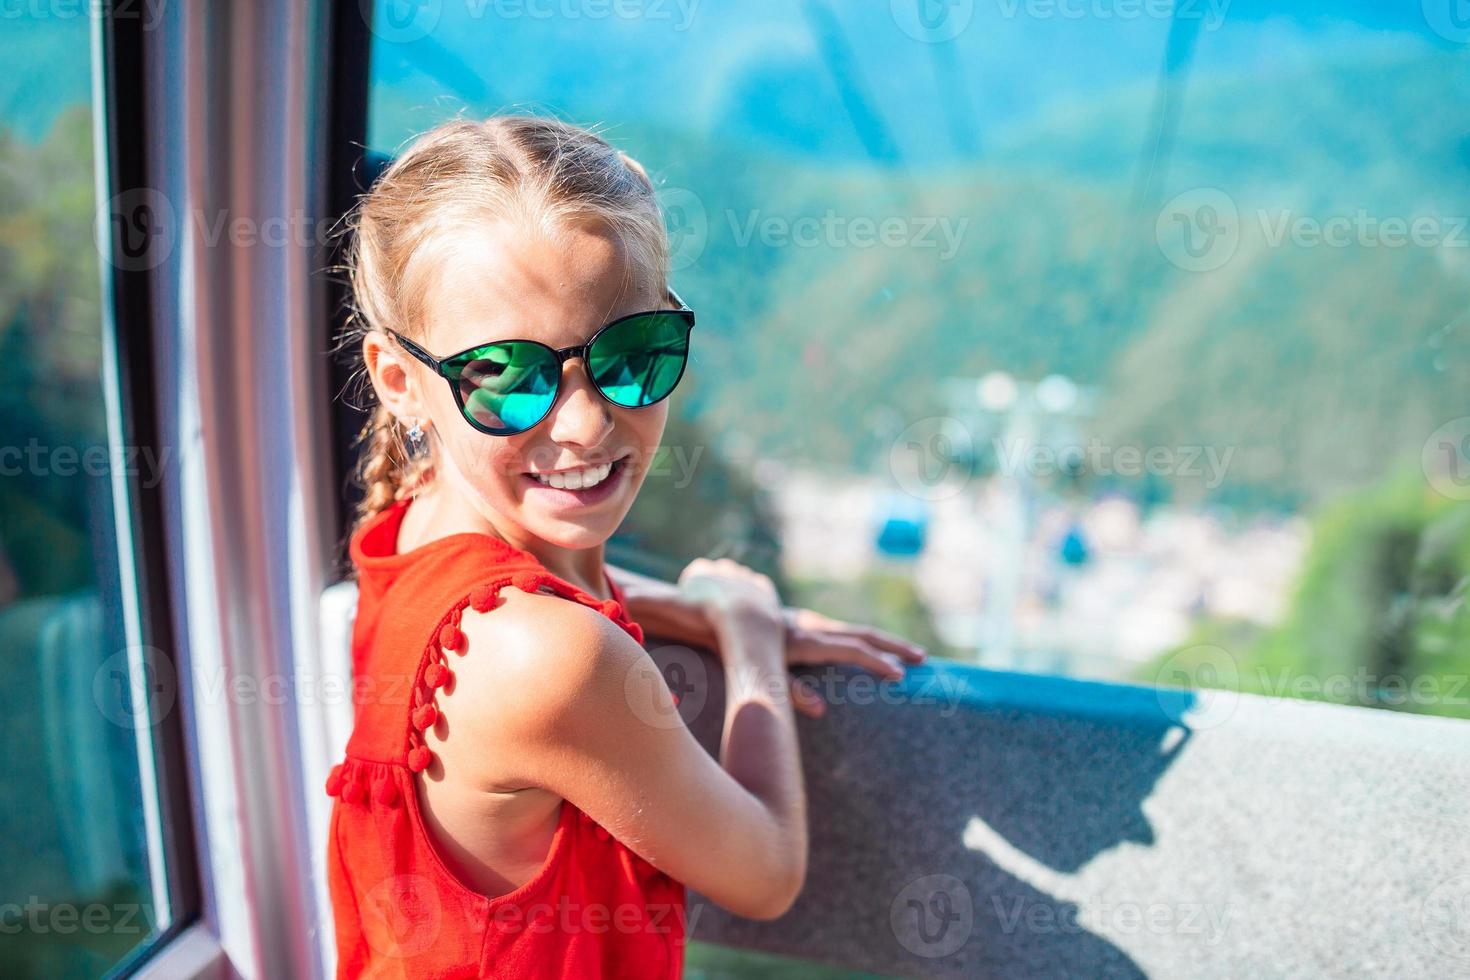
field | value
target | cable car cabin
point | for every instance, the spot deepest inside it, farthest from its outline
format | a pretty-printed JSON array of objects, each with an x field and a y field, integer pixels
[{"x": 1208, "y": 713}]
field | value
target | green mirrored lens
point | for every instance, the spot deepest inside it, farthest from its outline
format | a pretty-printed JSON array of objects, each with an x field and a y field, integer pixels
[
  {"x": 505, "y": 387},
  {"x": 639, "y": 361}
]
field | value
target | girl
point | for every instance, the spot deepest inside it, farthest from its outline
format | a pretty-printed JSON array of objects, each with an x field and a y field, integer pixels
[{"x": 519, "y": 796}]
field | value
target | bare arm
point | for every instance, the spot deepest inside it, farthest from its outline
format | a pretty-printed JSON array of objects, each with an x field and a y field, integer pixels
[
  {"x": 552, "y": 694},
  {"x": 667, "y": 611}
]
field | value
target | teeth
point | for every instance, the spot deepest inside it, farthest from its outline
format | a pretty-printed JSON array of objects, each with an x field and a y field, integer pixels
[{"x": 581, "y": 479}]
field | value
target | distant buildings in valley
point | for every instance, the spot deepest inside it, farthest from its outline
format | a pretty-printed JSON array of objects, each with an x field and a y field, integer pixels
[{"x": 1101, "y": 588}]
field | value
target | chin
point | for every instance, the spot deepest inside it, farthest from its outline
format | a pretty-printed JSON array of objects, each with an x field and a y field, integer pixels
[{"x": 573, "y": 537}]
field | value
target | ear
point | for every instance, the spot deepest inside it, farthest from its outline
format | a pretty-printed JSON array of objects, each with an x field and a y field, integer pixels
[{"x": 393, "y": 374}]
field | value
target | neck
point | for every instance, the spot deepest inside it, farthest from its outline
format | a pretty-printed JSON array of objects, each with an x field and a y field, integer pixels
[{"x": 437, "y": 513}]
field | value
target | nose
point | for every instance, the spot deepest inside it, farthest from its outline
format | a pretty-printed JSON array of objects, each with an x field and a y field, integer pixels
[{"x": 581, "y": 416}]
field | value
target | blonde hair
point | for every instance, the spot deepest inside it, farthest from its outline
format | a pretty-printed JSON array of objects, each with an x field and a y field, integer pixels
[{"x": 539, "y": 170}]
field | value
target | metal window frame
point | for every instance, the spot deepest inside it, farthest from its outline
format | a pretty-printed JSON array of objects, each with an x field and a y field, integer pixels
[
  {"x": 222, "y": 111},
  {"x": 120, "y": 164}
]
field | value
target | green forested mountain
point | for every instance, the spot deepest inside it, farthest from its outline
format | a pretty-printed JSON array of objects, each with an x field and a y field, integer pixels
[{"x": 1314, "y": 364}]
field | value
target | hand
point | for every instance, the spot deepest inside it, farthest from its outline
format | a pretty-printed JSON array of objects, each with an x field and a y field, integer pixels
[
  {"x": 815, "y": 639},
  {"x": 722, "y": 585},
  {"x": 809, "y": 638},
  {"x": 742, "y": 607}
]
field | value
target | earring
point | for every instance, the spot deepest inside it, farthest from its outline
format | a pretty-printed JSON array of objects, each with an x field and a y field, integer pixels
[{"x": 416, "y": 441}]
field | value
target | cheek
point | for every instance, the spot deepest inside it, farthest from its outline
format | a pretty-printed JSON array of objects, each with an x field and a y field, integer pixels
[
  {"x": 490, "y": 464},
  {"x": 644, "y": 430}
]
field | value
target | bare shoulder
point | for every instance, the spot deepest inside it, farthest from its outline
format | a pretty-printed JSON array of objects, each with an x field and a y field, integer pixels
[{"x": 532, "y": 664}]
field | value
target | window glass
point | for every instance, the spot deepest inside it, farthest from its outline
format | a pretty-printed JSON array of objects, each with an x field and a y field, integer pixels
[
  {"x": 1111, "y": 339},
  {"x": 82, "y": 886}
]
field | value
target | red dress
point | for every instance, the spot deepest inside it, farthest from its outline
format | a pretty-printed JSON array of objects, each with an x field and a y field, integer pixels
[{"x": 594, "y": 909}]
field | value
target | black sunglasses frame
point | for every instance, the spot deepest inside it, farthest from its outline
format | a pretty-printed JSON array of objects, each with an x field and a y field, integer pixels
[{"x": 562, "y": 355}]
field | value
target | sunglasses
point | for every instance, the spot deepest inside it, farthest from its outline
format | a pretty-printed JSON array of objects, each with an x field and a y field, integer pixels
[{"x": 507, "y": 387}]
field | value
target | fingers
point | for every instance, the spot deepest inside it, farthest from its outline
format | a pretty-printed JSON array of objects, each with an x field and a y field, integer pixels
[
  {"x": 846, "y": 649},
  {"x": 911, "y": 652},
  {"x": 811, "y": 621}
]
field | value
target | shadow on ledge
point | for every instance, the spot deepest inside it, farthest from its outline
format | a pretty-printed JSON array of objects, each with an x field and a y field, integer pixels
[{"x": 919, "y": 791}]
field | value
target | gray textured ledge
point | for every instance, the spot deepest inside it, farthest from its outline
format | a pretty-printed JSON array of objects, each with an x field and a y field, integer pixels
[{"x": 1082, "y": 830}]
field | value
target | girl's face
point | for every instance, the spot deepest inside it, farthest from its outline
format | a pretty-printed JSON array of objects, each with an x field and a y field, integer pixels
[{"x": 502, "y": 281}]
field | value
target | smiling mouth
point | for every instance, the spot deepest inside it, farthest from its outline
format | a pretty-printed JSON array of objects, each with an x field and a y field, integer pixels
[{"x": 582, "y": 478}]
